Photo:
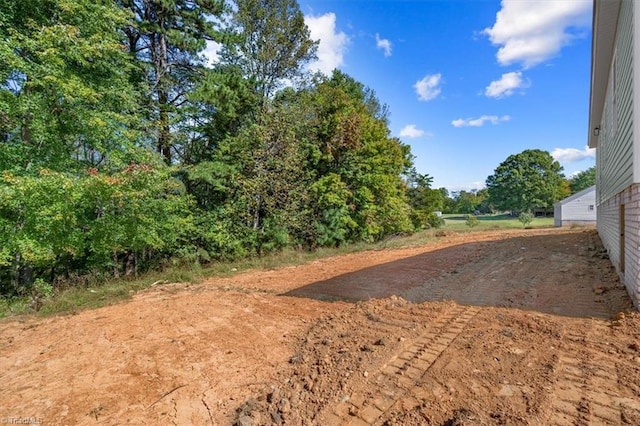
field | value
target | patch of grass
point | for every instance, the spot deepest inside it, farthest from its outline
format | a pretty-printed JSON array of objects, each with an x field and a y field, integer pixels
[
  {"x": 457, "y": 222},
  {"x": 101, "y": 293},
  {"x": 13, "y": 306},
  {"x": 293, "y": 257},
  {"x": 417, "y": 239}
]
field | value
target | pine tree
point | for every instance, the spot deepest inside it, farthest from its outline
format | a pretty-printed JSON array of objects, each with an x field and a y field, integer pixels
[{"x": 167, "y": 38}]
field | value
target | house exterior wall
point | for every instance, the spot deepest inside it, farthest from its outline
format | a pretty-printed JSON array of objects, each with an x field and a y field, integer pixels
[
  {"x": 578, "y": 210},
  {"x": 609, "y": 225},
  {"x": 617, "y": 180},
  {"x": 614, "y": 161}
]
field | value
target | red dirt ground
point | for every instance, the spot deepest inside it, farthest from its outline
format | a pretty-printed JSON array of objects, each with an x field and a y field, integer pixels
[{"x": 503, "y": 327}]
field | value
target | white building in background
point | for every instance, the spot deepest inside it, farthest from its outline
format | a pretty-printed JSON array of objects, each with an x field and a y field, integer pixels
[{"x": 578, "y": 209}]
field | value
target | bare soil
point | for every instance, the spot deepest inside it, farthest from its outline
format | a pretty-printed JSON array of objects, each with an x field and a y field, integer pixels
[{"x": 524, "y": 327}]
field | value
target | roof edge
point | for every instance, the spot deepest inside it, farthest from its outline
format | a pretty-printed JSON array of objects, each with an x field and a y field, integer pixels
[
  {"x": 577, "y": 195},
  {"x": 605, "y": 12}
]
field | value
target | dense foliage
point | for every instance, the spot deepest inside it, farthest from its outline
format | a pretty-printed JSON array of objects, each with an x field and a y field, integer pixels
[
  {"x": 583, "y": 180},
  {"x": 121, "y": 149},
  {"x": 466, "y": 202},
  {"x": 528, "y": 180},
  {"x": 124, "y": 148},
  {"x": 425, "y": 201}
]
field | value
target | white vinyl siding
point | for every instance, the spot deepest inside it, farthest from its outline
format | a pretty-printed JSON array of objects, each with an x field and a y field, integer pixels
[
  {"x": 613, "y": 98},
  {"x": 616, "y": 183},
  {"x": 577, "y": 209},
  {"x": 615, "y": 144}
]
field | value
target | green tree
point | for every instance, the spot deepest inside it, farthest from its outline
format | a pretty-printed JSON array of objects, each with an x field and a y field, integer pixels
[
  {"x": 332, "y": 199},
  {"x": 272, "y": 43},
  {"x": 167, "y": 39},
  {"x": 226, "y": 101},
  {"x": 449, "y": 204},
  {"x": 248, "y": 168},
  {"x": 583, "y": 180},
  {"x": 77, "y": 195},
  {"x": 525, "y": 181},
  {"x": 350, "y": 137},
  {"x": 468, "y": 201},
  {"x": 319, "y": 166},
  {"x": 65, "y": 98},
  {"x": 423, "y": 199},
  {"x": 485, "y": 203},
  {"x": 230, "y": 162},
  {"x": 55, "y": 223},
  {"x": 260, "y": 179}
]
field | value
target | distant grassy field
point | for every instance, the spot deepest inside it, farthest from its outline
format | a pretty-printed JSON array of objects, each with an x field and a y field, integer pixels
[{"x": 457, "y": 222}]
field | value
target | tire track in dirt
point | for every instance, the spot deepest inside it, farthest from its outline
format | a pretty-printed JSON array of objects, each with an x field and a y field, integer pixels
[
  {"x": 587, "y": 391},
  {"x": 400, "y": 375},
  {"x": 533, "y": 349}
]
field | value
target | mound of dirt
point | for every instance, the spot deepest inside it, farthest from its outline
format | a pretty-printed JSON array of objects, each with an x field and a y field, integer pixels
[
  {"x": 391, "y": 362},
  {"x": 336, "y": 357}
]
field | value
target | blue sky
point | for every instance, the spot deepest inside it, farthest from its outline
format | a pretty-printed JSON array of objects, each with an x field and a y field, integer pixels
[{"x": 468, "y": 83}]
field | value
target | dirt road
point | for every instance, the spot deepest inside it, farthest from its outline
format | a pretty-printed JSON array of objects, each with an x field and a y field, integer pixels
[{"x": 504, "y": 327}]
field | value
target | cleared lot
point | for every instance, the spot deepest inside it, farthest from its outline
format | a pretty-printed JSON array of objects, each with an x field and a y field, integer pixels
[{"x": 504, "y": 327}]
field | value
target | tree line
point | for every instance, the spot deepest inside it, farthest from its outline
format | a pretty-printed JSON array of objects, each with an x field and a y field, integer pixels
[
  {"x": 523, "y": 182},
  {"x": 123, "y": 149}
]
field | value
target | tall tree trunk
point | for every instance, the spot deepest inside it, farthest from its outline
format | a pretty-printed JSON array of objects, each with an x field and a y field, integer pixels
[
  {"x": 164, "y": 136},
  {"x": 130, "y": 264},
  {"x": 116, "y": 265},
  {"x": 27, "y": 119},
  {"x": 17, "y": 263},
  {"x": 161, "y": 65},
  {"x": 256, "y": 213}
]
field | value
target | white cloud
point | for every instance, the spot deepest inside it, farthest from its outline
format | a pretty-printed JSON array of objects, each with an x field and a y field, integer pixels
[
  {"x": 479, "y": 122},
  {"x": 411, "y": 131},
  {"x": 507, "y": 84},
  {"x": 384, "y": 44},
  {"x": 569, "y": 155},
  {"x": 478, "y": 185},
  {"x": 333, "y": 44},
  {"x": 211, "y": 53},
  {"x": 531, "y": 31},
  {"x": 429, "y": 87}
]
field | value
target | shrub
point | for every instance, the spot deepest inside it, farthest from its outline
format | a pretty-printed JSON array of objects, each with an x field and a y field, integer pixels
[
  {"x": 435, "y": 221},
  {"x": 472, "y": 221},
  {"x": 525, "y": 218},
  {"x": 423, "y": 220},
  {"x": 40, "y": 291},
  {"x": 55, "y": 224}
]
